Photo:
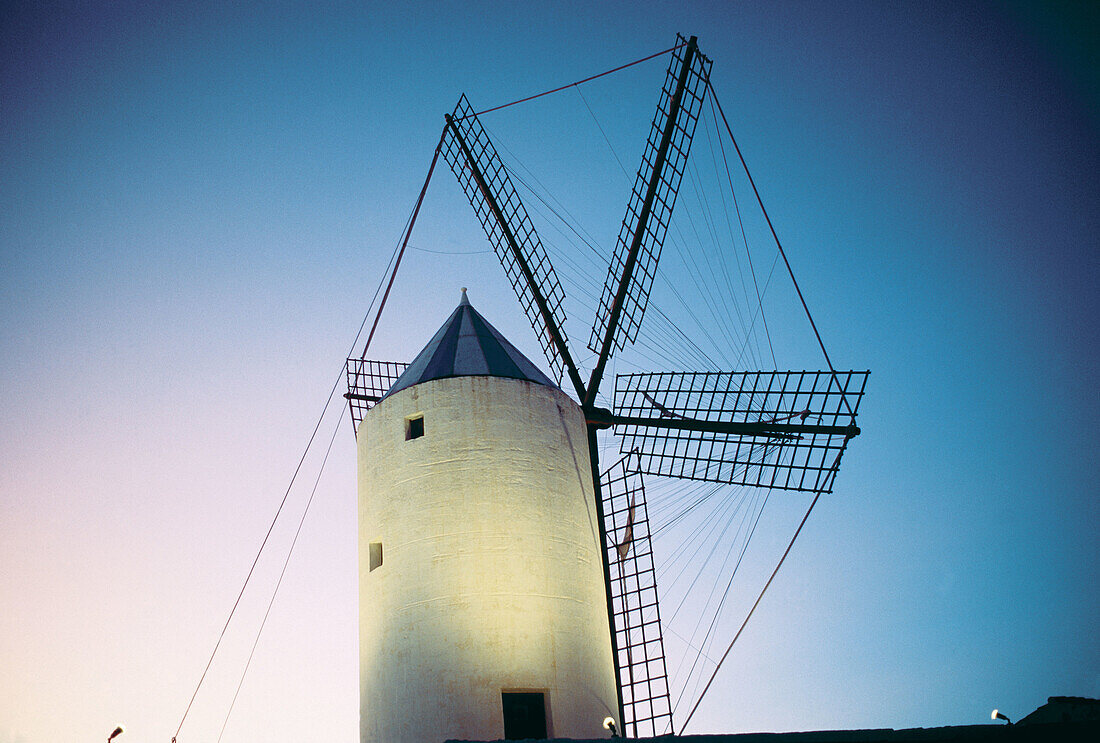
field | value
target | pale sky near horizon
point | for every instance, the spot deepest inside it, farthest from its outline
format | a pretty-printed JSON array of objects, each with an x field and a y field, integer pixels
[{"x": 198, "y": 200}]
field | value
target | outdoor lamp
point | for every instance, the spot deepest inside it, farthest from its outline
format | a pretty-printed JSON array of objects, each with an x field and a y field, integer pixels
[
  {"x": 609, "y": 724},
  {"x": 118, "y": 731},
  {"x": 997, "y": 715}
]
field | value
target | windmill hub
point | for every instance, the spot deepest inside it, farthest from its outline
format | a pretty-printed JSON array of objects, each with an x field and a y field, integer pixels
[{"x": 601, "y": 418}]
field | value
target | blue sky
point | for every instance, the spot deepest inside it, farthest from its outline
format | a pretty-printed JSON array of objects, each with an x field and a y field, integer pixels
[{"x": 198, "y": 201}]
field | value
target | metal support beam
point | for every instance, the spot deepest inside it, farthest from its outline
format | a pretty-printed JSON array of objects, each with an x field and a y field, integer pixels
[
  {"x": 604, "y": 418},
  {"x": 643, "y": 220},
  {"x": 365, "y": 398},
  {"x": 521, "y": 260}
]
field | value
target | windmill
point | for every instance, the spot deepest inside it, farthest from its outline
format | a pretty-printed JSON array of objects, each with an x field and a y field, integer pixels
[{"x": 783, "y": 430}]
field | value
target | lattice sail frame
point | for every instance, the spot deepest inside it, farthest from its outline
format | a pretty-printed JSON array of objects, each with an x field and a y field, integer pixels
[
  {"x": 515, "y": 215},
  {"x": 637, "y": 295},
  {"x": 367, "y": 382},
  {"x": 803, "y": 462},
  {"x": 643, "y": 678}
]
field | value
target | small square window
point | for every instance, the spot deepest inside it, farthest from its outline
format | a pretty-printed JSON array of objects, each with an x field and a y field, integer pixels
[
  {"x": 414, "y": 427},
  {"x": 375, "y": 555}
]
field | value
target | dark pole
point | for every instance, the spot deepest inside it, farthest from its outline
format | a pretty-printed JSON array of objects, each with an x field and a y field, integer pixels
[
  {"x": 603, "y": 418},
  {"x": 404, "y": 244},
  {"x": 643, "y": 221},
  {"x": 594, "y": 458},
  {"x": 513, "y": 245}
]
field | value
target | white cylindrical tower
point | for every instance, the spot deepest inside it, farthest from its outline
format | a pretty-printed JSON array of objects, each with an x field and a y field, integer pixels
[{"x": 482, "y": 607}]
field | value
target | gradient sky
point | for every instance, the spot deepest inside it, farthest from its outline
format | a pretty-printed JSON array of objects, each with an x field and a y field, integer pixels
[{"x": 197, "y": 202}]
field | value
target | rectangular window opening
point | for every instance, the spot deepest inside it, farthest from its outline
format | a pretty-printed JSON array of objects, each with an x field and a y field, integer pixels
[
  {"x": 375, "y": 555},
  {"x": 524, "y": 714},
  {"x": 414, "y": 427}
]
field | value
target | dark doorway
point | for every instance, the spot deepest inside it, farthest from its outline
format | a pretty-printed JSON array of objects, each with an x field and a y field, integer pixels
[{"x": 524, "y": 715}]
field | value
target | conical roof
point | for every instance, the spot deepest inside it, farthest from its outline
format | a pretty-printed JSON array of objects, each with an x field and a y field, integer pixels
[{"x": 468, "y": 346}]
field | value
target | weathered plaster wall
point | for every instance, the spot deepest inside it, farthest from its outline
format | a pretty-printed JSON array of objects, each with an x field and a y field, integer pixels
[{"x": 491, "y": 577}]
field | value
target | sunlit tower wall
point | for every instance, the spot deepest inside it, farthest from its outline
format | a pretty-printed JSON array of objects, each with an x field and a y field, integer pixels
[{"x": 481, "y": 596}]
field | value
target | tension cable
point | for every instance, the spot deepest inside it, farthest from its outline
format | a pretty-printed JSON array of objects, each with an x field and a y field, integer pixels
[
  {"x": 579, "y": 82},
  {"x": 399, "y": 252},
  {"x": 844, "y": 398},
  {"x": 754, "y": 605}
]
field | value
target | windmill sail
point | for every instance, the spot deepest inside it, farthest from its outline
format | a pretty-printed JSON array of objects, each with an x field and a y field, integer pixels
[
  {"x": 634, "y": 264},
  {"x": 474, "y": 161},
  {"x": 641, "y": 654},
  {"x": 804, "y": 419},
  {"x": 367, "y": 382}
]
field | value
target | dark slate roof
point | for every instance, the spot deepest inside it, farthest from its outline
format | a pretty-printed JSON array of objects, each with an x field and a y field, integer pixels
[{"x": 468, "y": 346}]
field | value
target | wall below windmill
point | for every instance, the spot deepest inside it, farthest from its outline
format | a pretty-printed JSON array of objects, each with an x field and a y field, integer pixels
[
  {"x": 491, "y": 577},
  {"x": 1059, "y": 732},
  {"x": 1060, "y": 719}
]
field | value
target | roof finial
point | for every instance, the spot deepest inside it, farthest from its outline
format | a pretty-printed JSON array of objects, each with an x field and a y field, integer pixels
[{"x": 464, "y": 300}]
